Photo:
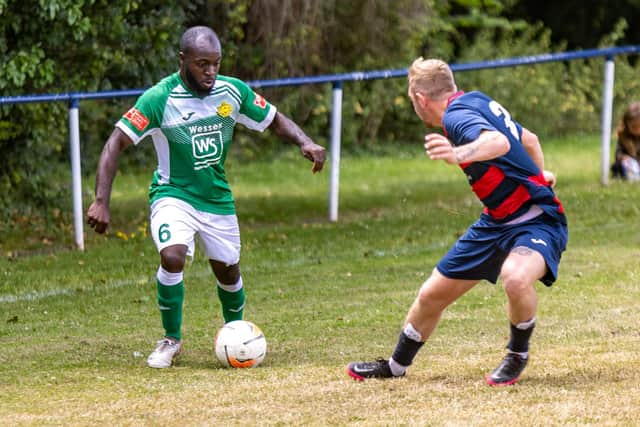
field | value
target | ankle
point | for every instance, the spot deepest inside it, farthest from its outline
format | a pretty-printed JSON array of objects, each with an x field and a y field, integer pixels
[
  {"x": 396, "y": 369},
  {"x": 523, "y": 354}
]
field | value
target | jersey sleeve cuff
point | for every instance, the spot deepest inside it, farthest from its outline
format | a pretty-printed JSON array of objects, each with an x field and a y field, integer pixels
[
  {"x": 131, "y": 134},
  {"x": 259, "y": 126}
]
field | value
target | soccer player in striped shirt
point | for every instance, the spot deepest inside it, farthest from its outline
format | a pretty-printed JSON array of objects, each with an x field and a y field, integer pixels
[{"x": 519, "y": 236}]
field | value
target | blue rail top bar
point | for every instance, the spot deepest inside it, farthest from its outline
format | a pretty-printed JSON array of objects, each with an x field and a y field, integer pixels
[{"x": 338, "y": 78}]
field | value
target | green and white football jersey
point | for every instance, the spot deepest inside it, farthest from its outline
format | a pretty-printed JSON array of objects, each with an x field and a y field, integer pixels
[{"x": 192, "y": 135}]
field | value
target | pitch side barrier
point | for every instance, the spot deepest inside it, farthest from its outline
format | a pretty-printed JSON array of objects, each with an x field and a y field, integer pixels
[{"x": 73, "y": 99}]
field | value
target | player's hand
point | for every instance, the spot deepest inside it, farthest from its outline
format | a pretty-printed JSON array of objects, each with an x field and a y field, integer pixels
[
  {"x": 549, "y": 177},
  {"x": 98, "y": 217},
  {"x": 315, "y": 153},
  {"x": 438, "y": 147}
]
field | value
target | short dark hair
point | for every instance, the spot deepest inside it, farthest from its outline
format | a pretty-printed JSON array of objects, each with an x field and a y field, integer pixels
[{"x": 191, "y": 35}]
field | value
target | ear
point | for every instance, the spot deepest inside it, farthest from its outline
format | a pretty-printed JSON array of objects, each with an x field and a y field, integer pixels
[{"x": 421, "y": 98}]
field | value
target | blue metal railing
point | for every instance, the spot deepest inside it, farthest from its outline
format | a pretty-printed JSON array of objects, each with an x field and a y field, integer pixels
[
  {"x": 74, "y": 98},
  {"x": 344, "y": 77}
]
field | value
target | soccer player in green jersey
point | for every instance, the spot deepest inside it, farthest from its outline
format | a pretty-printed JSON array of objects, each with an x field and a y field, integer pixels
[{"x": 190, "y": 117}]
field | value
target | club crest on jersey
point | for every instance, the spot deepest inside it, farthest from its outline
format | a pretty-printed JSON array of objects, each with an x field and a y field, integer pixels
[
  {"x": 207, "y": 149},
  {"x": 137, "y": 119},
  {"x": 225, "y": 109},
  {"x": 260, "y": 101}
]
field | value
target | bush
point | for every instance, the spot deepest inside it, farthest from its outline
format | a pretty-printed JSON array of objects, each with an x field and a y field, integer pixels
[
  {"x": 93, "y": 46},
  {"x": 551, "y": 99},
  {"x": 89, "y": 46}
]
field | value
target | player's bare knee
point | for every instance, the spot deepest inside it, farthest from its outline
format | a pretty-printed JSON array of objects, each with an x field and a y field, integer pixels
[
  {"x": 516, "y": 284},
  {"x": 172, "y": 260},
  {"x": 229, "y": 277},
  {"x": 429, "y": 300},
  {"x": 226, "y": 274}
]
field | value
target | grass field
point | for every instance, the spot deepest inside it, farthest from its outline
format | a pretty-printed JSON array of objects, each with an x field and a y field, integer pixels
[{"x": 75, "y": 328}]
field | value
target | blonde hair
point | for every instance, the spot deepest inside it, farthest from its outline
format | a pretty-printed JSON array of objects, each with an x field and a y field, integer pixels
[{"x": 431, "y": 77}]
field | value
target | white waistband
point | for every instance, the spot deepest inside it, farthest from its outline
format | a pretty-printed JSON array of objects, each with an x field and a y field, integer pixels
[{"x": 533, "y": 212}]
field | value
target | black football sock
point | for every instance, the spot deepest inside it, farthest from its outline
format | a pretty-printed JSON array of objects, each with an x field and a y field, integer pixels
[
  {"x": 520, "y": 334},
  {"x": 409, "y": 343}
]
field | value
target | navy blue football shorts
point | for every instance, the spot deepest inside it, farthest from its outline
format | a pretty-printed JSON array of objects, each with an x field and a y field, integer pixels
[{"x": 480, "y": 252}]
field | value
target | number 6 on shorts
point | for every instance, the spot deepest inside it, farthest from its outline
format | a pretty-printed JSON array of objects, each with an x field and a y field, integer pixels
[{"x": 163, "y": 233}]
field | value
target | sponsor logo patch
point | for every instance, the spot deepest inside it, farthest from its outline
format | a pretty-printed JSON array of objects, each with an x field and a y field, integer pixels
[
  {"x": 207, "y": 146},
  {"x": 137, "y": 119},
  {"x": 260, "y": 101}
]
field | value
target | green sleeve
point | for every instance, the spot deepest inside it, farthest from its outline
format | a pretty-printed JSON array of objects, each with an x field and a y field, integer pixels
[
  {"x": 255, "y": 111},
  {"x": 145, "y": 116}
]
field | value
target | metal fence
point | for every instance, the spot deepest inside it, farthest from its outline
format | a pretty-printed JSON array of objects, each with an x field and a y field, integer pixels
[{"x": 336, "y": 80}]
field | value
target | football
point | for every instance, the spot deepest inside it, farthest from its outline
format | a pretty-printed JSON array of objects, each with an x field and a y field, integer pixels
[{"x": 240, "y": 344}]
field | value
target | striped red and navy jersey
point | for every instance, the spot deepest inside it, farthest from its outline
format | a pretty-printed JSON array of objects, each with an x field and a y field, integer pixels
[{"x": 507, "y": 185}]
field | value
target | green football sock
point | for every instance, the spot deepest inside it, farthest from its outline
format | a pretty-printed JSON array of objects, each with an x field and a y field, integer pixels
[
  {"x": 232, "y": 304},
  {"x": 170, "y": 299}
]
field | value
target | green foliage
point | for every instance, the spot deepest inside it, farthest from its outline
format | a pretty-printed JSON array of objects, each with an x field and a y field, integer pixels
[
  {"x": 95, "y": 45},
  {"x": 579, "y": 24},
  {"x": 551, "y": 99},
  {"x": 318, "y": 37},
  {"x": 89, "y": 46}
]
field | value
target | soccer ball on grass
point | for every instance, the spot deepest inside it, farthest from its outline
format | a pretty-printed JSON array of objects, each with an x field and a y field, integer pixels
[{"x": 240, "y": 344}]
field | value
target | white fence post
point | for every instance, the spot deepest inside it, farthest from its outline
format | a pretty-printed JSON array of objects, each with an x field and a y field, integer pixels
[
  {"x": 76, "y": 177},
  {"x": 607, "y": 112},
  {"x": 336, "y": 129}
]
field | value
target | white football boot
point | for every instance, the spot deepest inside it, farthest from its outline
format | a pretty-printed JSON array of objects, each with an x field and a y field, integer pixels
[{"x": 162, "y": 357}]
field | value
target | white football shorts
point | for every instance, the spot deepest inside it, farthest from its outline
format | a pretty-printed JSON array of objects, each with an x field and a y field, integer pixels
[{"x": 175, "y": 222}]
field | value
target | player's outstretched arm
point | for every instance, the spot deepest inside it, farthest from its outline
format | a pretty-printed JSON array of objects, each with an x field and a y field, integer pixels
[
  {"x": 287, "y": 130},
  {"x": 98, "y": 215},
  {"x": 489, "y": 145}
]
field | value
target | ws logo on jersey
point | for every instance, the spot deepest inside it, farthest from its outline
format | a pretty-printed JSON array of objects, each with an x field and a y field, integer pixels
[{"x": 207, "y": 149}]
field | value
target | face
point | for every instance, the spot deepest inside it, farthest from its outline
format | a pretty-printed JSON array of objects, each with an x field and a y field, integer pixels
[{"x": 199, "y": 67}]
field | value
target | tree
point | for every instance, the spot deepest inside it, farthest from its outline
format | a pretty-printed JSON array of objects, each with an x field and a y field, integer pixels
[
  {"x": 581, "y": 24},
  {"x": 63, "y": 46}
]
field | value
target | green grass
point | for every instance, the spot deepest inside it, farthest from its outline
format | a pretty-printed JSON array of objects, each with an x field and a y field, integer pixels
[{"x": 75, "y": 327}]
